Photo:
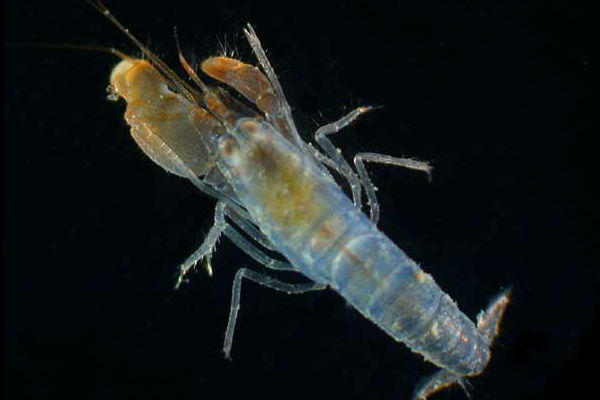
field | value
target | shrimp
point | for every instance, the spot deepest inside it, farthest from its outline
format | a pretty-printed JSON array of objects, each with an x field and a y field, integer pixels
[{"x": 280, "y": 192}]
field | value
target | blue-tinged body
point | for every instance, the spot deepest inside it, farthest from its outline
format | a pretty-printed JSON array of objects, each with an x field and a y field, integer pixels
[
  {"x": 264, "y": 175},
  {"x": 311, "y": 221}
]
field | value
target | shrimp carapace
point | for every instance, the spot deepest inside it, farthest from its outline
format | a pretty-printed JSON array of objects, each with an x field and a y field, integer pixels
[{"x": 174, "y": 132}]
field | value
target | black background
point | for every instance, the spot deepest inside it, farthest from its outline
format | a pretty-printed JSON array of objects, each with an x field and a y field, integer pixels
[{"x": 495, "y": 94}]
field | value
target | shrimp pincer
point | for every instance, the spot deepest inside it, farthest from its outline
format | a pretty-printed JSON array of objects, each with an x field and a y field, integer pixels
[{"x": 279, "y": 191}]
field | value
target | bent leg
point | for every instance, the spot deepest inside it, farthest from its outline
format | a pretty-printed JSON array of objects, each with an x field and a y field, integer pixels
[
  {"x": 220, "y": 226},
  {"x": 264, "y": 280},
  {"x": 370, "y": 189},
  {"x": 258, "y": 255},
  {"x": 438, "y": 381},
  {"x": 206, "y": 248},
  {"x": 338, "y": 162}
]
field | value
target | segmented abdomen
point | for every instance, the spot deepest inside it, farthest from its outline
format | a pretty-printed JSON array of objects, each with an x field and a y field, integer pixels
[
  {"x": 310, "y": 220},
  {"x": 390, "y": 289}
]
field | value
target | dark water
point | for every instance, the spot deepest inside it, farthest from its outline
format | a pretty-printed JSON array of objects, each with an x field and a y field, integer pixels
[{"x": 497, "y": 96}]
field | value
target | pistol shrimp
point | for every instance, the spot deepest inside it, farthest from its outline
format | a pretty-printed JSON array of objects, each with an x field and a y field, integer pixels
[{"x": 278, "y": 190}]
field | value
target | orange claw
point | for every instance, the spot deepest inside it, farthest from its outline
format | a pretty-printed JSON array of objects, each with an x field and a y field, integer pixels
[
  {"x": 244, "y": 78},
  {"x": 251, "y": 83}
]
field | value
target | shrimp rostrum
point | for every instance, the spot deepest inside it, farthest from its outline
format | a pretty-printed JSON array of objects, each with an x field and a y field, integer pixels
[{"x": 274, "y": 191}]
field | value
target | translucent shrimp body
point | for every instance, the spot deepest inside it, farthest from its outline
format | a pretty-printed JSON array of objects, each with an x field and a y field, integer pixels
[
  {"x": 312, "y": 222},
  {"x": 276, "y": 188}
]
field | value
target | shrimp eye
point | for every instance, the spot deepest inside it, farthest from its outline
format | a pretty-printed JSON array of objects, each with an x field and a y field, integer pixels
[{"x": 111, "y": 93}]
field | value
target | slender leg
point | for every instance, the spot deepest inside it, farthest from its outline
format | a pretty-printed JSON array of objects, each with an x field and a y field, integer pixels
[
  {"x": 439, "y": 381},
  {"x": 247, "y": 247},
  {"x": 249, "y": 228},
  {"x": 207, "y": 189},
  {"x": 370, "y": 189},
  {"x": 341, "y": 165},
  {"x": 264, "y": 280},
  {"x": 221, "y": 226},
  {"x": 251, "y": 250},
  {"x": 284, "y": 108},
  {"x": 323, "y": 161},
  {"x": 488, "y": 322},
  {"x": 206, "y": 248}
]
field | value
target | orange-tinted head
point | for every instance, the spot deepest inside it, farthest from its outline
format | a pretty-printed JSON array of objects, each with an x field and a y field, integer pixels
[{"x": 133, "y": 77}]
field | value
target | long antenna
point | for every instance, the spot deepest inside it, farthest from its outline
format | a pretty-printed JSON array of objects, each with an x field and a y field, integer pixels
[
  {"x": 183, "y": 87},
  {"x": 71, "y": 46}
]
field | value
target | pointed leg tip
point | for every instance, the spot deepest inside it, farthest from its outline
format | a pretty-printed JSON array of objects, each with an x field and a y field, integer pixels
[
  {"x": 439, "y": 381},
  {"x": 502, "y": 299},
  {"x": 507, "y": 292}
]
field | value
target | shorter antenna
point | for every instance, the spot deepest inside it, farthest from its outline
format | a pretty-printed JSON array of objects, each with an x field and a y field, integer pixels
[{"x": 186, "y": 65}]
